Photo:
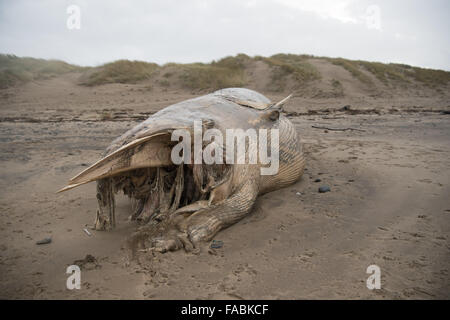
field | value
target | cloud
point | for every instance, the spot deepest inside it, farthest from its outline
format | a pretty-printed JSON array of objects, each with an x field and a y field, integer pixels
[
  {"x": 413, "y": 31},
  {"x": 339, "y": 10}
]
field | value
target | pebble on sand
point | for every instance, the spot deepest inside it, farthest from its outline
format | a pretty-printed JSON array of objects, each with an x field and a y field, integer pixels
[
  {"x": 324, "y": 189},
  {"x": 216, "y": 244},
  {"x": 44, "y": 241}
]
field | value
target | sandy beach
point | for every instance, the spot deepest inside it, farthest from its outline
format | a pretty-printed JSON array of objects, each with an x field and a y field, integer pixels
[{"x": 388, "y": 205}]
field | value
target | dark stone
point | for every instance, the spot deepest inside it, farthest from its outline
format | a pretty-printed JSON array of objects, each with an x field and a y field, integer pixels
[
  {"x": 216, "y": 244},
  {"x": 44, "y": 241},
  {"x": 324, "y": 189}
]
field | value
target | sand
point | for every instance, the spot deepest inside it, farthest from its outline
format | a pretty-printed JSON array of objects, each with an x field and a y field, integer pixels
[{"x": 389, "y": 203}]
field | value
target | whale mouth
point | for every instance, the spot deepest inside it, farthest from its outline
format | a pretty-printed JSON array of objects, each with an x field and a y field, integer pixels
[{"x": 159, "y": 193}]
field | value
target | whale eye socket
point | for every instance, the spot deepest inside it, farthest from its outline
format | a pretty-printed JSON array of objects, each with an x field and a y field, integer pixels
[
  {"x": 274, "y": 115},
  {"x": 271, "y": 114}
]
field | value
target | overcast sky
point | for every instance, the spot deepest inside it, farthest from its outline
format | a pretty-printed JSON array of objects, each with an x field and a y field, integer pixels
[{"x": 407, "y": 31}]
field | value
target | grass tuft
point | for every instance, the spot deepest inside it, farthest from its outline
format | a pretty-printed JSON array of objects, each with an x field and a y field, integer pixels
[
  {"x": 15, "y": 70},
  {"x": 121, "y": 71},
  {"x": 391, "y": 73},
  {"x": 353, "y": 68},
  {"x": 294, "y": 66},
  {"x": 227, "y": 72}
]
